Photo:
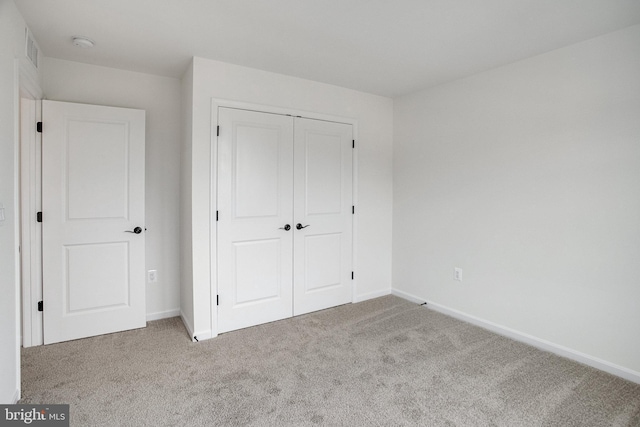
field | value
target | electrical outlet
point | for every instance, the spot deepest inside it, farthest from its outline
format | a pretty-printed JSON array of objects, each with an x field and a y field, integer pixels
[
  {"x": 152, "y": 276},
  {"x": 457, "y": 274}
]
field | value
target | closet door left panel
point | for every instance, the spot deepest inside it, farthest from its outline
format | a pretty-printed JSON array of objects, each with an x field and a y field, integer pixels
[{"x": 255, "y": 203}]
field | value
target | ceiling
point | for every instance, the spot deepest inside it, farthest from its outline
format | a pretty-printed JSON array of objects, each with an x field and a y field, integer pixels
[{"x": 385, "y": 47}]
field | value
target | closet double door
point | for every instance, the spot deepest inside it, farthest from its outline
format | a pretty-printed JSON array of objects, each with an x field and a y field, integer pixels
[{"x": 284, "y": 216}]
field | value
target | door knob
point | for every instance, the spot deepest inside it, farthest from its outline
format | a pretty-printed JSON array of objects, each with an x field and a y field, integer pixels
[
  {"x": 287, "y": 227},
  {"x": 136, "y": 230},
  {"x": 300, "y": 226}
]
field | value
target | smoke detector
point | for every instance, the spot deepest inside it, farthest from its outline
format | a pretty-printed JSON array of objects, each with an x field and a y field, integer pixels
[{"x": 82, "y": 42}]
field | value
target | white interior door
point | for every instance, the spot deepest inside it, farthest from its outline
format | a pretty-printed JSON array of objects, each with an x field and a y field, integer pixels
[
  {"x": 254, "y": 229},
  {"x": 323, "y": 215},
  {"x": 92, "y": 196}
]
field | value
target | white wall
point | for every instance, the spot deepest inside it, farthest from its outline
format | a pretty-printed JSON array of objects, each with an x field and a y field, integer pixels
[
  {"x": 212, "y": 79},
  {"x": 161, "y": 98},
  {"x": 12, "y": 46},
  {"x": 9, "y": 350},
  {"x": 528, "y": 177}
]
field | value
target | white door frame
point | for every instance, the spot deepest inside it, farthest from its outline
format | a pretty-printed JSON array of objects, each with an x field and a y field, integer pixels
[
  {"x": 213, "y": 182},
  {"x": 30, "y": 203}
]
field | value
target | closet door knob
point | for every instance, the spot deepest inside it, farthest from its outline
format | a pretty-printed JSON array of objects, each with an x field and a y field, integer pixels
[
  {"x": 300, "y": 226},
  {"x": 286, "y": 227}
]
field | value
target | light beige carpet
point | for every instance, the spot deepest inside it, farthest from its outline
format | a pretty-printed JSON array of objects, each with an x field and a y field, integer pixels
[{"x": 383, "y": 362}]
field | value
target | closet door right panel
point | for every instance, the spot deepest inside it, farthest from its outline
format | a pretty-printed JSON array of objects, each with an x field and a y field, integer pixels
[{"x": 322, "y": 215}]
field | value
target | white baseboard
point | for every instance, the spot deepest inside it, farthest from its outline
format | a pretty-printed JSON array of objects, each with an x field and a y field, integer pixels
[
  {"x": 371, "y": 295},
  {"x": 407, "y": 296},
  {"x": 586, "y": 359},
  {"x": 195, "y": 336},
  {"x": 187, "y": 325},
  {"x": 16, "y": 397},
  {"x": 163, "y": 314},
  {"x": 201, "y": 336}
]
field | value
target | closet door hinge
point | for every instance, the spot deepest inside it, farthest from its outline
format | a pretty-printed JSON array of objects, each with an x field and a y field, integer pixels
[
  {"x": 218, "y": 131},
  {"x": 216, "y": 215},
  {"x": 39, "y": 217},
  {"x": 39, "y": 127},
  {"x": 217, "y": 299},
  {"x": 353, "y": 143},
  {"x": 40, "y": 306},
  {"x": 352, "y": 275},
  {"x": 353, "y": 210}
]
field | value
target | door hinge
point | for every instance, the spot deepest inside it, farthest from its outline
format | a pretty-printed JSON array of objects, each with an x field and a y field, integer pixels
[
  {"x": 353, "y": 210},
  {"x": 352, "y": 275},
  {"x": 217, "y": 299},
  {"x": 218, "y": 131},
  {"x": 39, "y": 127},
  {"x": 353, "y": 143},
  {"x": 40, "y": 306},
  {"x": 216, "y": 215},
  {"x": 39, "y": 217}
]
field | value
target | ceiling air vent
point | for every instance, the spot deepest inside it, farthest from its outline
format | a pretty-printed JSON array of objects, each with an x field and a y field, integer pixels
[{"x": 31, "y": 49}]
